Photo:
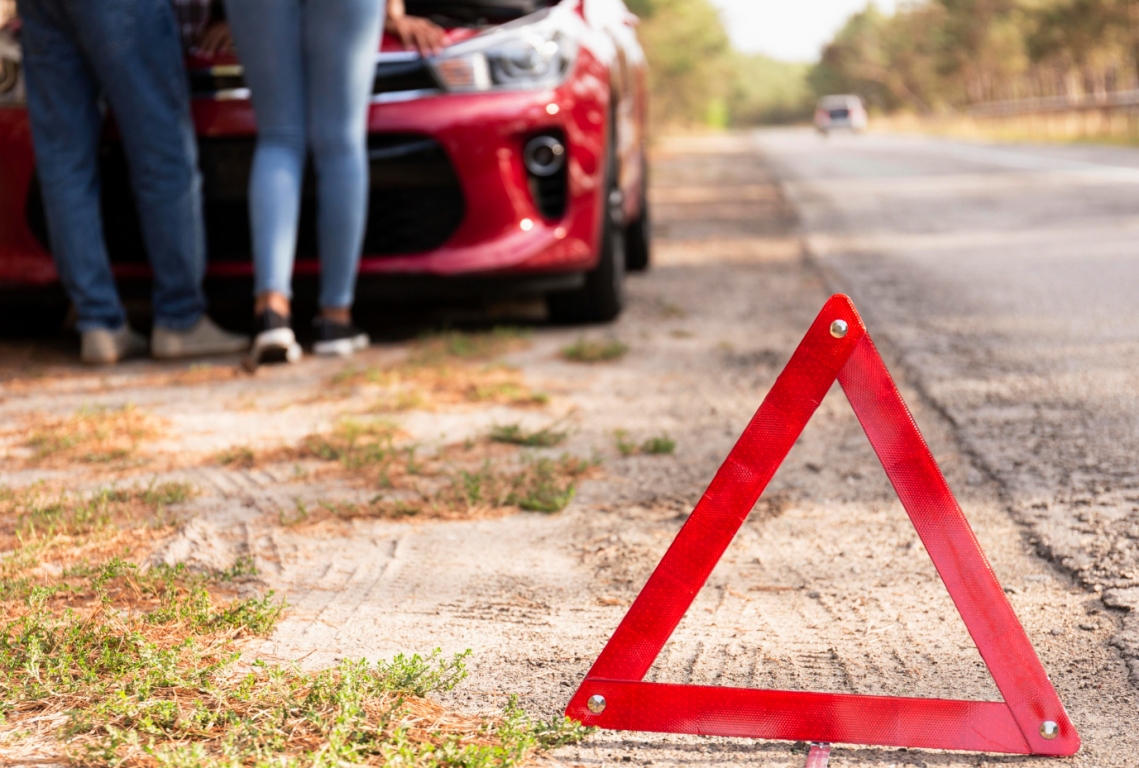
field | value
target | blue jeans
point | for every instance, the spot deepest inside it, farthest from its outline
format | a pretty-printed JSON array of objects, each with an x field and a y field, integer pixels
[
  {"x": 309, "y": 65},
  {"x": 129, "y": 52}
]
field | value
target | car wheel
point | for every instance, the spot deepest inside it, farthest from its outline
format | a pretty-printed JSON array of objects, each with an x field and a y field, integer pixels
[
  {"x": 602, "y": 297},
  {"x": 638, "y": 235}
]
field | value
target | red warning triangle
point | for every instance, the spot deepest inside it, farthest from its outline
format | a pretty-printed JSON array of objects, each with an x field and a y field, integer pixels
[{"x": 1030, "y": 720}]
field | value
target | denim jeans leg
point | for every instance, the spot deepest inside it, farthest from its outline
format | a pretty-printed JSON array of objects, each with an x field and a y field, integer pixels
[
  {"x": 268, "y": 38},
  {"x": 135, "y": 50},
  {"x": 341, "y": 39},
  {"x": 66, "y": 121}
]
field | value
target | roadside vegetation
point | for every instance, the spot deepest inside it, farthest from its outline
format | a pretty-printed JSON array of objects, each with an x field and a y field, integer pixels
[
  {"x": 514, "y": 434},
  {"x": 929, "y": 59},
  {"x": 594, "y": 350},
  {"x": 93, "y": 435},
  {"x": 653, "y": 446},
  {"x": 441, "y": 370},
  {"x": 697, "y": 79},
  {"x": 473, "y": 479},
  {"x": 943, "y": 54},
  {"x": 105, "y": 661}
]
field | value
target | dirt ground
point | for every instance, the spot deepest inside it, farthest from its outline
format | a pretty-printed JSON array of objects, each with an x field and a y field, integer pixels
[{"x": 826, "y": 587}]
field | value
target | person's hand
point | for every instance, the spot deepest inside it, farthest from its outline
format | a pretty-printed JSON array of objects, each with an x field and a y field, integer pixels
[
  {"x": 423, "y": 35},
  {"x": 215, "y": 40}
]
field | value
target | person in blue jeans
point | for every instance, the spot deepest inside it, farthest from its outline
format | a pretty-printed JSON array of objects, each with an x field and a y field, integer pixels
[
  {"x": 78, "y": 53},
  {"x": 309, "y": 65}
]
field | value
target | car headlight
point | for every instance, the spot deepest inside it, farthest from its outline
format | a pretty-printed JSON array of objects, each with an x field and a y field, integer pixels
[{"x": 531, "y": 53}]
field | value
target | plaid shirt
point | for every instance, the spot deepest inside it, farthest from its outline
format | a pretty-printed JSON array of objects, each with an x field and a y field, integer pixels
[{"x": 193, "y": 18}]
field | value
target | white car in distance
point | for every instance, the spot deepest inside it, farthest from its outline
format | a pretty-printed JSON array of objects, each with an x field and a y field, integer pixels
[{"x": 840, "y": 112}]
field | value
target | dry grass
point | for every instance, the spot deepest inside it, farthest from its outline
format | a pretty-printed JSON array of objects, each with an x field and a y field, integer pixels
[
  {"x": 1092, "y": 126},
  {"x": 444, "y": 370},
  {"x": 474, "y": 479},
  {"x": 105, "y": 663},
  {"x": 95, "y": 435},
  {"x": 61, "y": 526}
]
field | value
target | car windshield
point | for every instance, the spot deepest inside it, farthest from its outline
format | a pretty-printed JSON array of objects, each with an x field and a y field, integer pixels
[{"x": 475, "y": 13}]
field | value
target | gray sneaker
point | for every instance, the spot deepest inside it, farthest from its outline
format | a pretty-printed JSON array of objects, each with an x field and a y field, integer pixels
[
  {"x": 203, "y": 338},
  {"x": 101, "y": 346}
]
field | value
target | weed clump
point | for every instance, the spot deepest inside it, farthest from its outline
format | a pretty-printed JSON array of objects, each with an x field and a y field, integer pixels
[
  {"x": 514, "y": 434},
  {"x": 594, "y": 351},
  {"x": 654, "y": 446},
  {"x": 540, "y": 484}
]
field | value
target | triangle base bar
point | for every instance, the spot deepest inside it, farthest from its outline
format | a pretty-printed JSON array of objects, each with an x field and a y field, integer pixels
[{"x": 978, "y": 726}]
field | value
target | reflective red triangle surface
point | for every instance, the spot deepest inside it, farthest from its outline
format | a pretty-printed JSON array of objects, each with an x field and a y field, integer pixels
[{"x": 1030, "y": 720}]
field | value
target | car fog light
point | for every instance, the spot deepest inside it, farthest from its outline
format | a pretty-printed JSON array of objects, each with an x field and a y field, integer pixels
[{"x": 544, "y": 155}]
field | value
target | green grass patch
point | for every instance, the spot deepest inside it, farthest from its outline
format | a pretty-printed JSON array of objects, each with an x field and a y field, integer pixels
[
  {"x": 653, "y": 446},
  {"x": 539, "y": 484},
  {"x": 625, "y": 446},
  {"x": 594, "y": 350},
  {"x": 106, "y": 663},
  {"x": 659, "y": 445},
  {"x": 124, "y": 685}
]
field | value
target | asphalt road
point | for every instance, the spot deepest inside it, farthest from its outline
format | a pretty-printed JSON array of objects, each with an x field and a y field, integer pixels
[{"x": 1004, "y": 279}]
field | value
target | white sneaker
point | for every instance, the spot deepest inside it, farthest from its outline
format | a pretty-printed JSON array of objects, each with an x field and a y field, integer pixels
[
  {"x": 203, "y": 338},
  {"x": 278, "y": 345},
  {"x": 101, "y": 346},
  {"x": 335, "y": 339}
]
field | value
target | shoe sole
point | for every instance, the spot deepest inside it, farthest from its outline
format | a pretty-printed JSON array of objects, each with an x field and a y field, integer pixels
[
  {"x": 341, "y": 347},
  {"x": 278, "y": 345}
]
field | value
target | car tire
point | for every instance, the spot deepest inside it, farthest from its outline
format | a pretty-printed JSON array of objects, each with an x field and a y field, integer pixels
[
  {"x": 638, "y": 234},
  {"x": 602, "y": 297}
]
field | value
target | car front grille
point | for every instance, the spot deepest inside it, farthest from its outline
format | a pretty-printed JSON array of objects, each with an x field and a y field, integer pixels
[
  {"x": 395, "y": 74},
  {"x": 415, "y": 202}
]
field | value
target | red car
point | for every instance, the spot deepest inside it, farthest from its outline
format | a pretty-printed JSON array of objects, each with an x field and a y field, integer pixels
[{"x": 512, "y": 163}]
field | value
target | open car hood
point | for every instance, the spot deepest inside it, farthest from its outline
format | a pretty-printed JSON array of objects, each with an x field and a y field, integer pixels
[{"x": 475, "y": 13}]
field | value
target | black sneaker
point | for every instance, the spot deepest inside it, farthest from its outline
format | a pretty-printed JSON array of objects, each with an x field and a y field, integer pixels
[
  {"x": 274, "y": 340},
  {"x": 335, "y": 339}
]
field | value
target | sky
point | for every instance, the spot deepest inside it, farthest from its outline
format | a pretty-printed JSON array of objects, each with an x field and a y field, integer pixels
[{"x": 793, "y": 30}]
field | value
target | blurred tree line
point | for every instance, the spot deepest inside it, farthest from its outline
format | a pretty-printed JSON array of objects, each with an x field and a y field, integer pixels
[
  {"x": 698, "y": 79},
  {"x": 942, "y": 54},
  {"x": 930, "y": 55}
]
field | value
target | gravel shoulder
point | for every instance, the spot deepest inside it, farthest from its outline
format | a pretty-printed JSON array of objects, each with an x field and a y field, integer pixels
[{"x": 825, "y": 588}]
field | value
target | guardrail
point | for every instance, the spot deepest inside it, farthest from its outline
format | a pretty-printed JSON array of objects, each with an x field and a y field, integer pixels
[{"x": 1102, "y": 101}]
